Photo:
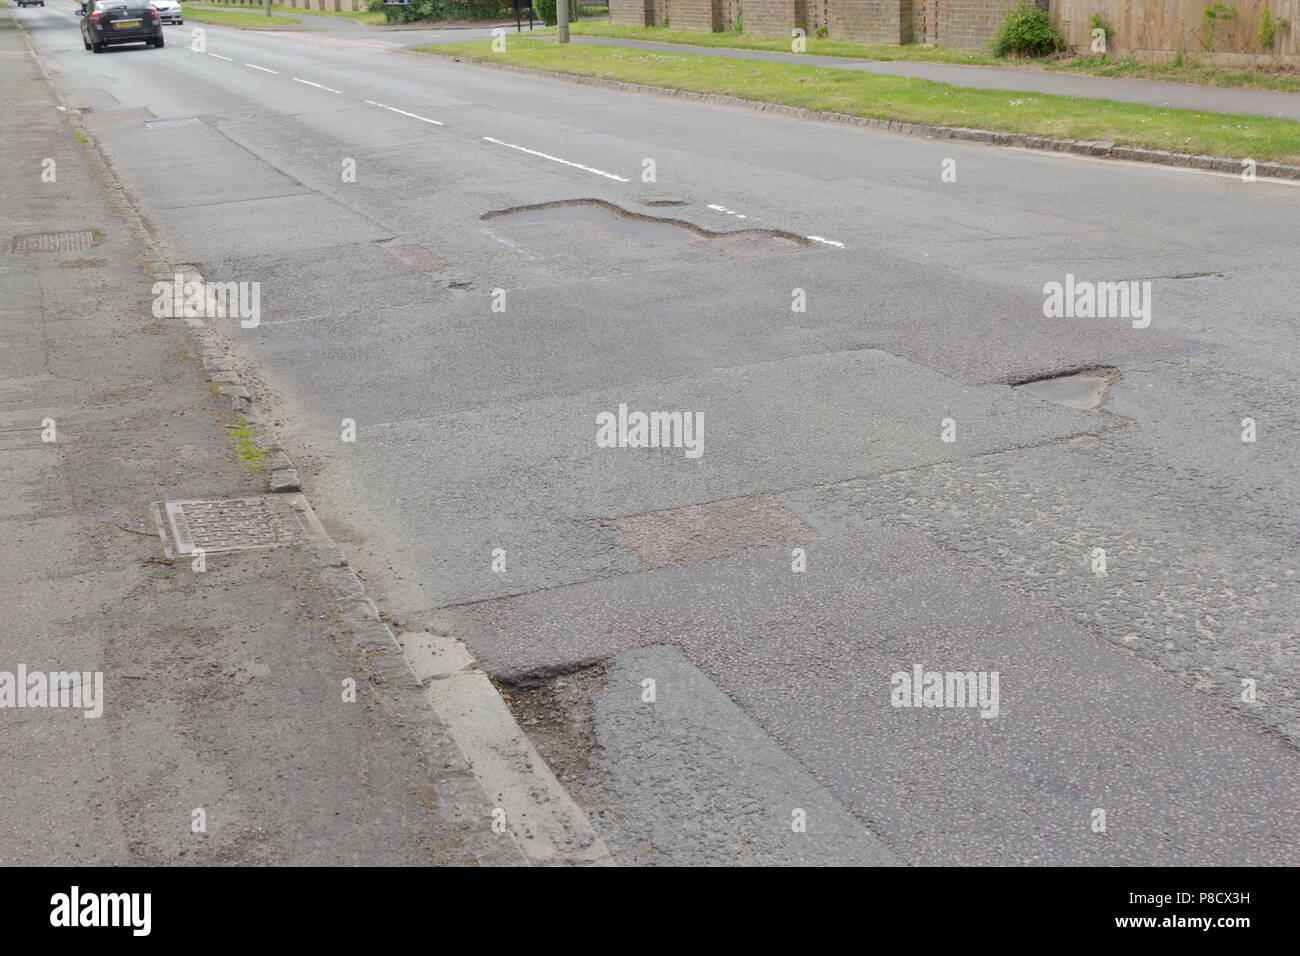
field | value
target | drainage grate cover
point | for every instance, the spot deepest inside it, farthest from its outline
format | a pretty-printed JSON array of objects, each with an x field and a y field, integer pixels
[
  {"x": 55, "y": 242},
  {"x": 235, "y": 524},
  {"x": 168, "y": 124}
]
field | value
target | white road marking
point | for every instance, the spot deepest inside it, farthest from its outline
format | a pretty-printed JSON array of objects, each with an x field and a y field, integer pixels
[
  {"x": 729, "y": 212},
  {"x": 556, "y": 159},
  {"x": 303, "y": 318},
  {"x": 262, "y": 68},
  {"x": 220, "y": 57},
  {"x": 422, "y": 119},
  {"x": 297, "y": 79},
  {"x": 829, "y": 242}
]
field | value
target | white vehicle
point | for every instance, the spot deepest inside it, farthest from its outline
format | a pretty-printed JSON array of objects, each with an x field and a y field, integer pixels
[{"x": 169, "y": 11}]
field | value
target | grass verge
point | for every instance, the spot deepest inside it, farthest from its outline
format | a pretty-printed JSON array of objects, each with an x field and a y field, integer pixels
[
  {"x": 1127, "y": 68},
  {"x": 911, "y": 100},
  {"x": 1191, "y": 72},
  {"x": 235, "y": 18}
]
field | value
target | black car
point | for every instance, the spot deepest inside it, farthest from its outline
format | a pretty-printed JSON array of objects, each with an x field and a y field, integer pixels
[{"x": 110, "y": 22}]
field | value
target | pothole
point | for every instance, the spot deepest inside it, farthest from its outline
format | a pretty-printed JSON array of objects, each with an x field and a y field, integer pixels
[
  {"x": 558, "y": 715},
  {"x": 631, "y": 225},
  {"x": 1086, "y": 390}
]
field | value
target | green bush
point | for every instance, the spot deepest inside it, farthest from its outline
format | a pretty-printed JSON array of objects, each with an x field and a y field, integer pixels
[
  {"x": 546, "y": 11},
  {"x": 1268, "y": 29},
  {"x": 1026, "y": 31},
  {"x": 1211, "y": 17}
]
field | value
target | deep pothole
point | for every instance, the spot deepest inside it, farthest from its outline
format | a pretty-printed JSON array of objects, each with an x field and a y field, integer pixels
[
  {"x": 1084, "y": 389},
  {"x": 627, "y": 224}
]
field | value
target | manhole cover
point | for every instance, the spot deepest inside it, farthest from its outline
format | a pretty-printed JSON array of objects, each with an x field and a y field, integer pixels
[
  {"x": 235, "y": 524},
  {"x": 168, "y": 124},
  {"x": 55, "y": 242}
]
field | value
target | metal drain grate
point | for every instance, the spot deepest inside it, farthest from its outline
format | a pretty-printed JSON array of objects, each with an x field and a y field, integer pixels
[
  {"x": 168, "y": 124},
  {"x": 55, "y": 242},
  {"x": 235, "y": 524}
]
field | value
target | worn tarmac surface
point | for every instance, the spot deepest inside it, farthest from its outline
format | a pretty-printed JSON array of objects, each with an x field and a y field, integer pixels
[{"x": 823, "y": 430}]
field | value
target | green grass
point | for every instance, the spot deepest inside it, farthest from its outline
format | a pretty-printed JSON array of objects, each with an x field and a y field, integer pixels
[
  {"x": 910, "y": 100},
  {"x": 363, "y": 16},
  {"x": 1201, "y": 73},
  {"x": 235, "y": 18},
  {"x": 1128, "y": 68},
  {"x": 246, "y": 450}
]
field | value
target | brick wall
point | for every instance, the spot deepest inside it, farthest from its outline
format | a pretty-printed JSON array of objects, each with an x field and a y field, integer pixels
[
  {"x": 769, "y": 18},
  {"x": 632, "y": 13},
  {"x": 870, "y": 21},
  {"x": 968, "y": 24},
  {"x": 954, "y": 23},
  {"x": 702, "y": 16}
]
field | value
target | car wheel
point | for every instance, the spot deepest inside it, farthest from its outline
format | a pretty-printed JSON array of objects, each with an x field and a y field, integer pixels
[
  {"x": 96, "y": 48},
  {"x": 158, "y": 42},
  {"x": 85, "y": 42}
]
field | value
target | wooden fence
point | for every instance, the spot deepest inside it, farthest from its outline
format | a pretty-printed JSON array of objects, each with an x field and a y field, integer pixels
[{"x": 1158, "y": 29}]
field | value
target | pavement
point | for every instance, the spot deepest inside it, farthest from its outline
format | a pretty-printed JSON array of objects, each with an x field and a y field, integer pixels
[
  {"x": 1184, "y": 96},
  {"x": 225, "y": 733},
  {"x": 473, "y": 265}
]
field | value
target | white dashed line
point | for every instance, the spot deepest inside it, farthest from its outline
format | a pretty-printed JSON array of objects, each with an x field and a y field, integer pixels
[
  {"x": 556, "y": 159},
  {"x": 729, "y": 212},
  {"x": 829, "y": 242},
  {"x": 297, "y": 79},
  {"x": 220, "y": 57},
  {"x": 262, "y": 68},
  {"x": 422, "y": 119}
]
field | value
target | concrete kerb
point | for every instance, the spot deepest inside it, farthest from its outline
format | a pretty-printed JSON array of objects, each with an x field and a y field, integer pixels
[
  {"x": 1104, "y": 150},
  {"x": 463, "y": 804}
]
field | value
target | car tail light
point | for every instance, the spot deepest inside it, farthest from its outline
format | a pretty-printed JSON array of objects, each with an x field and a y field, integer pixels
[
  {"x": 94, "y": 18},
  {"x": 153, "y": 12}
]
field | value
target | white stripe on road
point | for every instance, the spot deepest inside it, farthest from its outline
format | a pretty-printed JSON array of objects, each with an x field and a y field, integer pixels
[
  {"x": 729, "y": 212},
  {"x": 220, "y": 57},
  {"x": 317, "y": 85},
  {"x": 262, "y": 68},
  {"x": 829, "y": 242},
  {"x": 422, "y": 119},
  {"x": 556, "y": 159}
]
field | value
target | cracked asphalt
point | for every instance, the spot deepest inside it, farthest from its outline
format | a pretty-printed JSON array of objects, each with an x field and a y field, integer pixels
[{"x": 823, "y": 436}]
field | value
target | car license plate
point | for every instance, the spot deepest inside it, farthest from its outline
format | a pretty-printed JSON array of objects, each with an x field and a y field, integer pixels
[{"x": 124, "y": 24}]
